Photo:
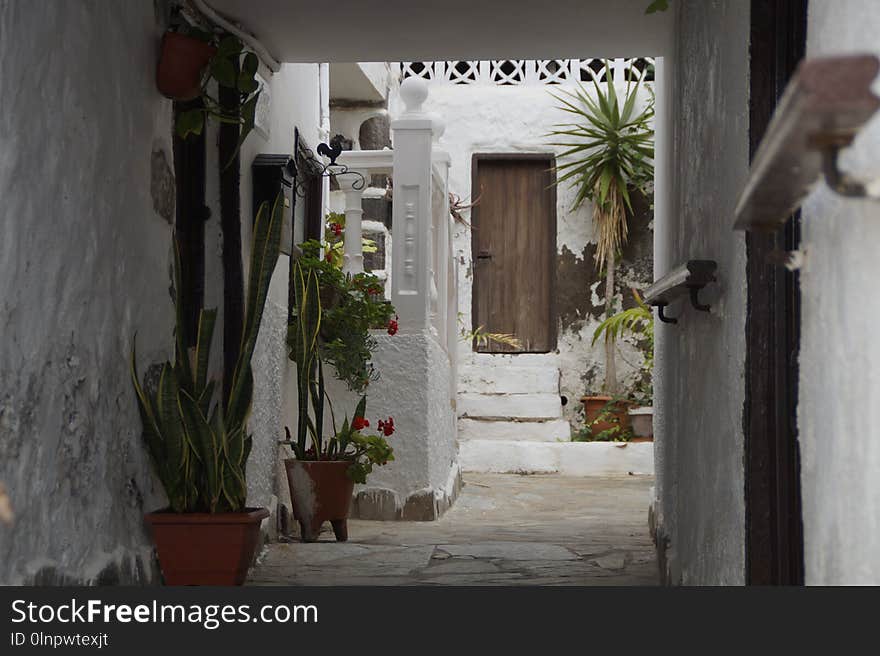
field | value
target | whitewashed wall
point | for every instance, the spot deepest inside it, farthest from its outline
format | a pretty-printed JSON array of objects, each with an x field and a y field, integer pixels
[
  {"x": 516, "y": 119},
  {"x": 295, "y": 103},
  {"x": 839, "y": 404},
  {"x": 86, "y": 177},
  {"x": 699, "y": 371},
  {"x": 84, "y": 263}
]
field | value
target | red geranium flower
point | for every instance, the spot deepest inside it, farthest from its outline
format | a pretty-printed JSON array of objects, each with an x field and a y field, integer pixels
[
  {"x": 336, "y": 229},
  {"x": 329, "y": 256},
  {"x": 359, "y": 423},
  {"x": 392, "y": 326},
  {"x": 387, "y": 427}
]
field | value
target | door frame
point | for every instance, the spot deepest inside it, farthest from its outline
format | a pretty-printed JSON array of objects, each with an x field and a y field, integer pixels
[
  {"x": 774, "y": 529},
  {"x": 550, "y": 158}
]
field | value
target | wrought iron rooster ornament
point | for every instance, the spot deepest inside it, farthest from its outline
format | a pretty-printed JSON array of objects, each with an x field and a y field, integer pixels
[{"x": 331, "y": 151}]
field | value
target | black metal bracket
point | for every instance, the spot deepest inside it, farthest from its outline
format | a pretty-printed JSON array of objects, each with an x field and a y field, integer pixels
[
  {"x": 685, "y": 280},
  {"x": 312, "y": 167},
  {"x": 660, "y": 308},
  {"x": 695, "y": 302}
]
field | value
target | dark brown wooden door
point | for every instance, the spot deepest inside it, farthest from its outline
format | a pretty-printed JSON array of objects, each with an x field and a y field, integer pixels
[{"x": 514, "y": 244}]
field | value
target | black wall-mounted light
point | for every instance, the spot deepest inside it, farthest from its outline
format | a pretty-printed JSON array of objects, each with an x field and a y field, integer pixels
[{"x": 685, "y": 280}]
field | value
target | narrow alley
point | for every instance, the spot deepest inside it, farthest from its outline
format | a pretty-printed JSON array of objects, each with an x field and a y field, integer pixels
[{"x": 505, "y": 529}]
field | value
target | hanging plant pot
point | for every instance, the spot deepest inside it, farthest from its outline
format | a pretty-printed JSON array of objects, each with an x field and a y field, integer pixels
[
  {"x": 181, "y": 62},
  {"x": 206, "y": 548},
  {"x": 320, "y": 491}
]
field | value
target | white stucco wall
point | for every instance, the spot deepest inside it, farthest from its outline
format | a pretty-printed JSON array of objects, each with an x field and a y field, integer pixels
[
  {"x": 517, "y": 119},
  {"x": 84, "y": 263},
  {"x": 295, "y": 103},
  {"x": 838, "y": 409},
  {"x": 699, "y": 372}
]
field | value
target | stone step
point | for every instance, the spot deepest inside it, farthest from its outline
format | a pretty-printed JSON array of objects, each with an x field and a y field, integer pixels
[
  {"x": 510, "y": 406},
  {"x": 509, "y": 379},
  {"x": 527, "y": 431},
  {"x": 550, "y": 360},
  {"x": 567, "y": 458}
]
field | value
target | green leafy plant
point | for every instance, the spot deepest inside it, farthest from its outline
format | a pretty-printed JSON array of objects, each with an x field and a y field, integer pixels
[
  {"x": 609, "y": 151},
  {"x": 639, "y": 321},
  {"x": 334, "y": 240},
  {"x": 199, "y": 447},
  {"x": 231, "y": 67},
  {"x": 606, "y": 416},
  {"x": 657, "y": 5},
  {"x": 349, "y": 442},
  {"x": 351, "y": 306}
]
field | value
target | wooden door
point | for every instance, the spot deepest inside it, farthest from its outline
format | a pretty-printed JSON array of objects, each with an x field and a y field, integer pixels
[{"x": 514, "y": 245}]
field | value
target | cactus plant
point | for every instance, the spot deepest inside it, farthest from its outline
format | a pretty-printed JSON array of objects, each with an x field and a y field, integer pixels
[{"x": 199, "y": 447}]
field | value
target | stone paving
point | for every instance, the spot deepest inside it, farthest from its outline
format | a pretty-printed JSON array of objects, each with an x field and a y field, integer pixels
[{"x": 504, "y": 529}]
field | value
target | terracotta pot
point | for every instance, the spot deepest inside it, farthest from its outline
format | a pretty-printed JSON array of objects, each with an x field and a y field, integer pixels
[
  {"x": 181, "y": 62},
  {"x": 320, "y": 491},
  {"x": 205, "y": 548},
  {"x": 593, "y": 406}
]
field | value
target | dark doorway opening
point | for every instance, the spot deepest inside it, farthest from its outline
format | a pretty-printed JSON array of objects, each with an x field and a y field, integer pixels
[{"x": 774, "y": 532}]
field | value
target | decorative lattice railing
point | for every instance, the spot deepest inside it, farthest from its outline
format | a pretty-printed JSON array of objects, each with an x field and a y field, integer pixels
[{"x": 507, "y": 72}]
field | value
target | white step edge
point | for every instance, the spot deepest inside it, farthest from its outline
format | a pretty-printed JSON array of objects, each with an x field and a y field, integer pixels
[
  {"x": 507, "y": 406},
  {"x": 566, "y": 458},
  {"x": 552, "y": 430}
]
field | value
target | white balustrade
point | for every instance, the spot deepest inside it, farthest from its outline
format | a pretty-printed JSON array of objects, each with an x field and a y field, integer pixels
[{"x": 423, "y": 277}]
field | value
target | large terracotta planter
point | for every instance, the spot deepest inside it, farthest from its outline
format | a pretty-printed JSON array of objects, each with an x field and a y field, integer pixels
[
  {"x": 205, "y": 548},
  {"x": 181, "y": 62},
  {"x": 593, "y": 406},
  {"x": 320, "y": 491}
]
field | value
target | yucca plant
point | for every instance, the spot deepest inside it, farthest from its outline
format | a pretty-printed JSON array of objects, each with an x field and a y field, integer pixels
[
  {"x": 609, "y": 150},
  {"x": 199, "y": 447}
]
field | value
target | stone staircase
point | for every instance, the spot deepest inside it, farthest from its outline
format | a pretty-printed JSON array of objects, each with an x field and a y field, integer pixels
[{"x": 505, "y": 404}]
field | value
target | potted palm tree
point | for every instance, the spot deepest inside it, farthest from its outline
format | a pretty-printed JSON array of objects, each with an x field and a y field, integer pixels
[
  {"x": 199, "y": 446},
  {"x": 609, "y": 156}
]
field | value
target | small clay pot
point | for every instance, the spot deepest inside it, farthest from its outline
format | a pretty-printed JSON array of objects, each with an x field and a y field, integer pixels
[
  {"x": 320, "y": 491},
  {"x": 181, "y": 62},
  {"x": 642, "y": 420},
  {"x": 593, "y": 406},
  {"x": 206, "y": 548}
]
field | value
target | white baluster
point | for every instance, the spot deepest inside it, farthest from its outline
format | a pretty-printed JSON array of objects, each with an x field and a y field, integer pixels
[{"x": 352, "y": 253}]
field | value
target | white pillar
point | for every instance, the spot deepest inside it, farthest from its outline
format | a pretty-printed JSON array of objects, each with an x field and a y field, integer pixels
[
  {"x": 352, "y": 253},
  {"x": 411, "y": 257}
]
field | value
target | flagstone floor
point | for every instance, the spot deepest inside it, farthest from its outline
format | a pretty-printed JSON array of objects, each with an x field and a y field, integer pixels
[{"x": 504, "y": 529}]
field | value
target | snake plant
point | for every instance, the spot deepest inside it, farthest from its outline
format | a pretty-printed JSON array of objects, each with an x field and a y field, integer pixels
[{"x": 199, "y": 447}]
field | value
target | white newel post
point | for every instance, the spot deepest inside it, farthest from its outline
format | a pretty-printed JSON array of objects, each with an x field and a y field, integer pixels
[
  {"x": 411, "y": 257},
  {"x": 352, "y": 253}
]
